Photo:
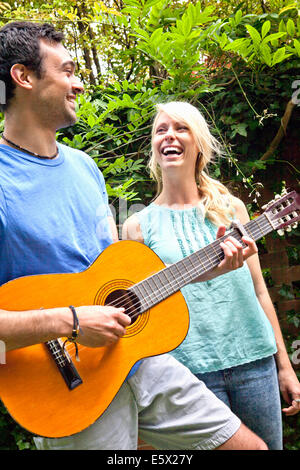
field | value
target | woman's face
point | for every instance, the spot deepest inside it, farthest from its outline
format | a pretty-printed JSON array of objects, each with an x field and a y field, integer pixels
[{"x": 173, "y": 143}]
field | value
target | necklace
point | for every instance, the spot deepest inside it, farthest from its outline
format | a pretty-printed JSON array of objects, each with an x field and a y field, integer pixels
[{"x": 28, "y": 151}]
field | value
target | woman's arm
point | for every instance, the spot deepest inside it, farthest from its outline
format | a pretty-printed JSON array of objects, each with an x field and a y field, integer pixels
[
  {"x": 234, "y": 253},
  {"x": 289, "y": 384}
]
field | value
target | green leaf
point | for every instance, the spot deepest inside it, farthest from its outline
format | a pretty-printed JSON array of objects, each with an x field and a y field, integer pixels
[
  {"x": 265, "y": 28},
  {"x": 288, "y": 7},
  {"x": 139, "y": 32},
  {"x": 238, "y": 17},
  {"x": 239, "y": 129},
  {"x": 266, "y": 53},
  {"x": 156, "y": 36},
  {"x": 285, "y": 291},
  {"x": 117, "y": 86},
  {"x": 255, "y": 36},
  {"x": 297, "y": 46},
  {"x": 241, "y": 46},
  {"x": 273, "y": 37},
  {"x": 279, "y": 56},
  {"x": 290, "y": 27},
  {"x": 91, "y": 120},
  {"x": 132, "y": 11},
  {"x": 125, "y": 85},
  {"x": 282, "y": 27},
  {"x": 151, "y": 3},
  {"x": 186, "y": 25}
]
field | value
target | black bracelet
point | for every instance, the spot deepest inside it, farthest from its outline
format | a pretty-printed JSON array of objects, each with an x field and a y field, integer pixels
[
  {"x": 75, "y": 332},
  {"x": 76, "y": 328}
]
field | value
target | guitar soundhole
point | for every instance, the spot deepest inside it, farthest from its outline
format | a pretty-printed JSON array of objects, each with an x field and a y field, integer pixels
[{"x": 127, "y": 299}]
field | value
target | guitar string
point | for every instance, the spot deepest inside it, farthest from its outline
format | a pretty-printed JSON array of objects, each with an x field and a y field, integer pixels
[{"x": 254, "y": 233}]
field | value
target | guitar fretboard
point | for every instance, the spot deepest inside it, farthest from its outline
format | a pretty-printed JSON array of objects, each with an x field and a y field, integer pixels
[{"x": 171, "y": 279}]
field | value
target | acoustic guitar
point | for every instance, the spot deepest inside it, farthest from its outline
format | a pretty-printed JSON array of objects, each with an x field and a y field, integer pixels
[{"x": 51, "y": 394}]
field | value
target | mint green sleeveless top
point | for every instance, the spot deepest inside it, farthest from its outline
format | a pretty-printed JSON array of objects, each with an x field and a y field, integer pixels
[{"x": 228, "y": 326}]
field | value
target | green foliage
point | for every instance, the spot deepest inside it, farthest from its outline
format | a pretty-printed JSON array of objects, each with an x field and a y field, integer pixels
[
  {"x": 114, "y": 129},
  {"x": 12, "y": 437},
  {"x": 260, "y": 40}
]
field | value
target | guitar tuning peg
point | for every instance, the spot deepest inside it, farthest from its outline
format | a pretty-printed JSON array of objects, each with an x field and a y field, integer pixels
[
  {"x": 295, "y": 224},
  {"x": 280, "y": 232},
  {"x": 277, "y": 196},
  {"x": 283, "y": 192},
  {"x": 289, "y": 228},
  {"x": 266, "y": 206}
]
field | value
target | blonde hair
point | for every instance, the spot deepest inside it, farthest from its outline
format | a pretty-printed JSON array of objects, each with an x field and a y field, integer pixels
[{"x": 217, "y": 200}]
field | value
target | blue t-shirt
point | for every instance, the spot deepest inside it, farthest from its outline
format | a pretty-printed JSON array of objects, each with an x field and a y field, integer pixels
[
  {"x": 228, "y": 326},
  {"x": 53, "y": 213}
]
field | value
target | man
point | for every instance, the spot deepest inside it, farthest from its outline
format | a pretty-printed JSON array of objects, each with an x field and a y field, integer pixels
[{"x": 49, "y": 200}]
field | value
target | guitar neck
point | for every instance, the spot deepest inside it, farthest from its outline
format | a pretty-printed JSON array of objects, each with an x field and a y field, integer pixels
[{"x": 171, "y": 279}]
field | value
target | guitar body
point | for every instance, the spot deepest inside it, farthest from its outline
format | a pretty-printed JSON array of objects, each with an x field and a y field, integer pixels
[{"x": 31, "y": 386}]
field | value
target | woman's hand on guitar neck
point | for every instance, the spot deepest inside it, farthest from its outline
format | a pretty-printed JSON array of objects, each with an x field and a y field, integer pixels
[
  {"x": 234, "y": 255},
  {"x": 101, "y": 326}
]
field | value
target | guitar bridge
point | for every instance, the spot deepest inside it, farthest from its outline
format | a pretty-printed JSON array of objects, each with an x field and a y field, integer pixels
[{"x": 64, "y": 364}]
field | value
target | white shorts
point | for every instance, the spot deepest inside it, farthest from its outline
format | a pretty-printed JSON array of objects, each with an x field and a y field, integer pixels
[{"x": 163, "y": 403}]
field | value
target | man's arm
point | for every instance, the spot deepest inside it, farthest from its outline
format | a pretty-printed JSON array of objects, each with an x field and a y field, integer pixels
[{"x": 100, "y": 326}]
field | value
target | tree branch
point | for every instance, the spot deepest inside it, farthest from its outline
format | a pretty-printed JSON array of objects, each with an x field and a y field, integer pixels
[{"x": 280, "y": 133}]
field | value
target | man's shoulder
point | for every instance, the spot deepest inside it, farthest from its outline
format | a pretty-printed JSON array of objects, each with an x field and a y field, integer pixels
[
  {"x": 67, "y": 150},
  {"x": 82, "y": 162},
  {"x": 77, "y": 155}
]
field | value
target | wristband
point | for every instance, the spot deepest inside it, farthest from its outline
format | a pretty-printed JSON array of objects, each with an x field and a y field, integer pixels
[{"x": 75, "y": 332}]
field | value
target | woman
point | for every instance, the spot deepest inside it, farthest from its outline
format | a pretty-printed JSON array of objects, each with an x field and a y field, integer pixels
[{"x": 234, "y": 333}]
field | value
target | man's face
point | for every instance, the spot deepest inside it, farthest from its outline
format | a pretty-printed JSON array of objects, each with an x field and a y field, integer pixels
[{"x": 55, "y": 92}]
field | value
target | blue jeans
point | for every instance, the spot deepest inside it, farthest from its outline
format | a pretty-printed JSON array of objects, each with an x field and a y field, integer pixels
[{"x": 251, "y": 391}]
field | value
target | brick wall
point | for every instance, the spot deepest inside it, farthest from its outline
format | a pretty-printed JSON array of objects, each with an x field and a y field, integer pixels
[{"x": 283, "y": 273}]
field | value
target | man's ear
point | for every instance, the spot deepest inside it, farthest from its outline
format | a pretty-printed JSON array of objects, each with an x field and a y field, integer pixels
[{"x": 22, "y": 76}]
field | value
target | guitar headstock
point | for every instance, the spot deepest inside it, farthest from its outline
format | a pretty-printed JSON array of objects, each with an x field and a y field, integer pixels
[{"x": 284, "y": 211}]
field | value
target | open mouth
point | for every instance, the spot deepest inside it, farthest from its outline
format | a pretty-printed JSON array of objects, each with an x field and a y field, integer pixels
[
  {"x": 71, "y": 99},
  {"x": 171, "y": 151}
]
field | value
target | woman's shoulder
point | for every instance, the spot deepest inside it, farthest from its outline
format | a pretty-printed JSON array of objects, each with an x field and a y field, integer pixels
[
  {"x": 132, "y": 230},
  {"x": 240, "y": 209},
  {"x": 135, "y": 225}
]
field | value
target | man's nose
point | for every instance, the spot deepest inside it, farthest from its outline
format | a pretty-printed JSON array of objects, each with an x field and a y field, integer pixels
[{"x": 77, "y": 86}]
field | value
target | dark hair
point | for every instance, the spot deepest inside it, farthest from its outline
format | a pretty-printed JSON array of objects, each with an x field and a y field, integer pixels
[{"x": 20, "y": 44}]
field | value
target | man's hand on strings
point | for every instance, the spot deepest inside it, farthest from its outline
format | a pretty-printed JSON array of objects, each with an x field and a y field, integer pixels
[{"x": 101, "y": 326}]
